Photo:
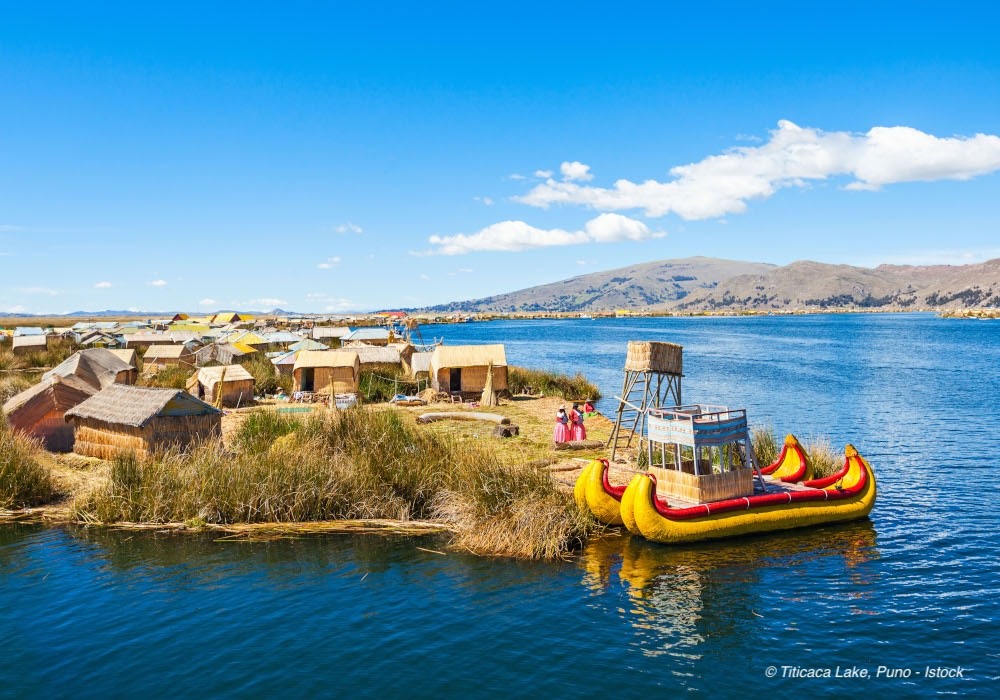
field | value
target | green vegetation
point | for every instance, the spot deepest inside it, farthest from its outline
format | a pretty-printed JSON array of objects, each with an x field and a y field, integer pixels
[
  {"x": 381, "y": 385},
  {"x": 765, "y": 445},
  {"x": 168, "y": 378},
  {"x": 351, "y": 464},
  {"x": 24, "y": 481},
  {"x": 265, "y": 375},
  {"x": 521, "y": 380}
]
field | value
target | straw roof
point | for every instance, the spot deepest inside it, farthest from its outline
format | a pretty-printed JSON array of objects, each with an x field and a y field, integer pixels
[
  {"x": 64, "y": 393},
  {"x": 326, "y": 358},
  {"x": 135, "y": 406},
  {"x": 468, "y": 356},
  {"x": 129, "y": 356},
  {"x": 97, "y": 367},
  {"x": 166, "y": 352},
  {"x": 210, "y": 376},
  {"x": 374, "y": 355}
]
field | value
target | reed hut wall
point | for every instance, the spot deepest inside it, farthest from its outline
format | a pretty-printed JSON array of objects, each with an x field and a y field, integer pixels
[
  {"x": 473, "y": 378},
  {"x": 327, "y": 380},
  {"x": 96, "y": 438}
]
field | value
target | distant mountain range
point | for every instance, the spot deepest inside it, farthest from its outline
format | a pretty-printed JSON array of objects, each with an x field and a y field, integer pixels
[{"x": 712, "y": 284}]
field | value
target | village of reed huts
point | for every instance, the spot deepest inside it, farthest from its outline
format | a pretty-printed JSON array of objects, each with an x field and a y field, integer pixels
[{"x": 87, "y": 403}]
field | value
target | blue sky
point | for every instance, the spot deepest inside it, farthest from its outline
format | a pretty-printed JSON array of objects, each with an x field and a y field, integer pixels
[{"x": 328, "y": 157}]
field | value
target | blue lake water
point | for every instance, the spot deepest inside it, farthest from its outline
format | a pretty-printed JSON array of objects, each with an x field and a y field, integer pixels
[{"x": 92, "y": 613}]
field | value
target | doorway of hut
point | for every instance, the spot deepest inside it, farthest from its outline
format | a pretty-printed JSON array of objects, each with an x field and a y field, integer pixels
[
  {"x": 455, "y": 380},
  {"x": 308, "y": 379}
]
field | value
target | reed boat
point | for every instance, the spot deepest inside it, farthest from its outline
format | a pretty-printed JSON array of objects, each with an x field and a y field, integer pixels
[
  {"x": 595, "y": 494},
  {"x": 847, "y": 495},
  {"x": 792, "y": 464},
  {"x": 691, "y": 497}
]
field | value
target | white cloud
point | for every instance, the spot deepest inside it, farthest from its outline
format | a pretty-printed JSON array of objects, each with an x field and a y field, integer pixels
[
  {"x": 329, "y": 262},
  {"x": 516, "y": 176},
  {"x": 102, "y": 285},
  {"x": 207, "y": 302},
  {"x": 339, "y": 304},
  {"x": 44, "y": 291},
  {"x": 581, "y": 262},
  {"x": 466, "y": 270},
  {"x": 424, "y": 276},
  {"x": 575, "y": 171},
  {"x": 792, "y": 157},
  {"x": 317, "y": 295},
  {"x": 544, "y": 174},
  {"x": 15, "y": 309},
  {"x": 488, "y": 201},
  {"x": 512, "y": 236},
  {"x": 265, "y": 303},
  {"x": 349, "y": 228},
  {"x": 133, "y": 309},
  {"x": 159, "y": 283}
]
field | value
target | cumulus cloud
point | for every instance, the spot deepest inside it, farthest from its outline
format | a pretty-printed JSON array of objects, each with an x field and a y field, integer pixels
[
  {"x": 575, "y": 171},
  {"x": 329, "y": 262},
  {"x": 513, "y": 236},
  {"x": 488, "y": 201},
  {"x": 349, "y": 228},
  {"x": 792, "y": 157},
  {"x": 159, "y": 283},
  {"x": 543, "y": 174},
  {"x": 516, "y": 176},
  {"x": 102, "y": 285},
  {"x": 207, "y": 302}
]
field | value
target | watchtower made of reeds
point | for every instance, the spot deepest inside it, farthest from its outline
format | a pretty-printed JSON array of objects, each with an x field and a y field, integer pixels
[{"x": 653, "y": 372}]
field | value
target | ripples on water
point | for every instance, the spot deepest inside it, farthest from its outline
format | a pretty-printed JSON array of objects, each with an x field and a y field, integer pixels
[{"x": 95, "y": 613}]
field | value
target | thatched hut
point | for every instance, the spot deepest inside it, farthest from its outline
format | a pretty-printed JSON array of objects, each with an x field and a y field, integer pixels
[
  {"x": 98, "y": 367},
  {"x": 284, "y": 363},
  {"x": 226, "y": 385},
  {"x": 141, "y": 419},
  {"x": 387, "y": 360},
  {"x": 463, "y": 368},
  {"x": 128, "y": 356},
  {"x": 27, "y": 344},
  {"x": 158, "y": 357},
  {"x": 39, "y": 410},
  {"x": 326, "y": 372}
]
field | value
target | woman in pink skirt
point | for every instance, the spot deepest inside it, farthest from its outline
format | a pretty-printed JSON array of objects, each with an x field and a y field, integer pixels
[
  {"x": 561, "y": 434},
  {"x": 577, "y": 431}
]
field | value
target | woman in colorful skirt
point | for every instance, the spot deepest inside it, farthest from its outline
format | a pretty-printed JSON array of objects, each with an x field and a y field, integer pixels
[
  {"x": 577, "y": 431},
  {"x": 561, "y": 434}
]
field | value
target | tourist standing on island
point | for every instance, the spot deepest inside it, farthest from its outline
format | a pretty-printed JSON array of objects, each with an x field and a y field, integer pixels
[
  {"x": 561, "y": 434},
  {"x": 577, "y": 431}
]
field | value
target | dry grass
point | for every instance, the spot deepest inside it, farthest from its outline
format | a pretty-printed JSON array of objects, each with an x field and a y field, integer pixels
[
  {"x": 355, "y": 464},
  {"x": 765, "y": 445},
  {"x": 24, "y": 479},
  {"x": 521, "y": 380},
  {"x": 13, "y": 384},
  {"x": 171, "y": 377}
]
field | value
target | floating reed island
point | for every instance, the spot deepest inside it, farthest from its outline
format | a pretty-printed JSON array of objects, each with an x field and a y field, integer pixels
[{"x": 249, "y": 435}]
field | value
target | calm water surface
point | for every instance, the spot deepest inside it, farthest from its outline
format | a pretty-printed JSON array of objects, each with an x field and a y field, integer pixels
[{"x": 102, "y": 614}]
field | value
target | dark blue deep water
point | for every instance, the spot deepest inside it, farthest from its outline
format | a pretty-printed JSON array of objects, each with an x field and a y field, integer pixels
[{"x": 91, "y": 613}]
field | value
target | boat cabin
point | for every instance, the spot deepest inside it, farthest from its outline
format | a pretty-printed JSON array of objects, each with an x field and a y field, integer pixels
[{"x": 700, "y": 453}]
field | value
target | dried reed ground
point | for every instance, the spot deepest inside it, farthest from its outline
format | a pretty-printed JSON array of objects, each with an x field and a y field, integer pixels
[{"x": 348, "y": 465}]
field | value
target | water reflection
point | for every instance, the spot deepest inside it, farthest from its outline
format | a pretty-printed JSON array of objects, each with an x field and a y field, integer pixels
[{"x": 676, "y": 597}]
